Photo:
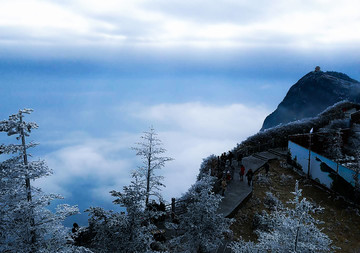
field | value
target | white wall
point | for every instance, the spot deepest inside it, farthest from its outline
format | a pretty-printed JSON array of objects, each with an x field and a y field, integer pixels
[{"x": 302, "y": 156}]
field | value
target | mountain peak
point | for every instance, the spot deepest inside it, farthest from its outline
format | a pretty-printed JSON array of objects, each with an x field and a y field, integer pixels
[{"x": 312, "y": 94}]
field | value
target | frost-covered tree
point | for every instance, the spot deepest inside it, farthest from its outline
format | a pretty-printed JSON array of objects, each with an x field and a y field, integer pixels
[
  {"x": 139, "y": 227},
  {"x": 106, "y": 232},
  {"x": 278, "y": 136},
  {"x": 208, "y": 165},
  {"x": 203, "y": 228},
  {"x": 356, "y": 167},
  {"x": 132, "y": 231},
  {"x": 335, "y": 145},
  {"x": 289, "y": 230},
  {"x": 150, "y": 150},
  {"x": 26, "y": 224},
  {"x": 352, "y": 156},
  {"x": 123, "y": 232}
]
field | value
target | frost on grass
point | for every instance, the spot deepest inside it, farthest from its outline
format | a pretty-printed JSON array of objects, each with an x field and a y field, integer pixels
[
  {"x": 284, "y": 179},
  {"x": 288, "y": 230},
  {"x": 263, "y": 179},
  {"x": 271, "y": 201}
]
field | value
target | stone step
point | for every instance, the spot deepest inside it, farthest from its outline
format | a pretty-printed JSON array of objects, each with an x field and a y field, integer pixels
[
  {"x": 274, "y": 152},
  {"x": 260, "y": 157}
]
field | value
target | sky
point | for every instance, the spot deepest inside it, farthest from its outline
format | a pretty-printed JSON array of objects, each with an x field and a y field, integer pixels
[{"x": 204, "y": 74}]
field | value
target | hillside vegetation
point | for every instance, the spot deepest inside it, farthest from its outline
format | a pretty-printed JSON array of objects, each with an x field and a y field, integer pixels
[
  {"x": 341, "y": 219},
  {"x": 279, "y": 136}
]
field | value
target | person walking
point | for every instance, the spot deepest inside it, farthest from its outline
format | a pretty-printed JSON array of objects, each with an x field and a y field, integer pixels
[
  {"x": 230, "y": 156},
  {"x": 223, "y": 186},
  {"x": 228, "y": 176},
  {"x": 239, "y": 158},
  {"x": 242, "y": 172},
  {"x": 249, "y": 176},
  {"x": 223, "y": 161}
]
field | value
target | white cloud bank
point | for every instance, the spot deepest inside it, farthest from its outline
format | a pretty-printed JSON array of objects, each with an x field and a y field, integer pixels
[
  {"x": 189, "y": 131},
  {"x": 199, "y": 23},
  {"x": 199, "y": 119}
]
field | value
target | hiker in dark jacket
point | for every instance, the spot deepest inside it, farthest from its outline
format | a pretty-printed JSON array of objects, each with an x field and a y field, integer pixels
[
  {"x": 239, "y": 158},
  {"x": 223, "y": 186},
  {"x": 249, "y": 176},
  {"x": 223, "y": 161},
  {"x": 230, "y": 156}
]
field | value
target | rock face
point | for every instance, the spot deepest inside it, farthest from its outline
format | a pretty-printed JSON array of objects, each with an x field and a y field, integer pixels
[{"x": 311, "y": 95}]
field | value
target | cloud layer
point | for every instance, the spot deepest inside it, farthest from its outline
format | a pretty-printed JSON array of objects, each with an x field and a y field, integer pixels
[
  {"x": 74, "y": 60},
  {"x": 160, "y": 23},
  {"x": 189, "y": 131}
]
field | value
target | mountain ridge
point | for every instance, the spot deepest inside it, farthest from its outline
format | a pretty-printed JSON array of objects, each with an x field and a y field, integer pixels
[{"x": 312, "y": 94}]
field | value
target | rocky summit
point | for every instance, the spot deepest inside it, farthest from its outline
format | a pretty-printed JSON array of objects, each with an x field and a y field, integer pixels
[{"x": 312, "y": 94}]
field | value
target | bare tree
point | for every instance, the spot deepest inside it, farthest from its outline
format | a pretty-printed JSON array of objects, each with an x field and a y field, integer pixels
[{"x": 150, "y": 150}]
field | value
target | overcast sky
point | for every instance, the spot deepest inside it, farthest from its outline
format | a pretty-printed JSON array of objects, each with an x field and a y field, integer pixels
[{"x": 205, "y": 74}]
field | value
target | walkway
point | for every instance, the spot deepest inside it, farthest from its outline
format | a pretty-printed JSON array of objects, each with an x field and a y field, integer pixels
[{"x": 237, "y": 191}]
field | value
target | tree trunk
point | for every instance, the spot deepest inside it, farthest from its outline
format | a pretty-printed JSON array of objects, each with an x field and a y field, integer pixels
[
  {"x": 296, "y": 238},
  {"x": 27, "y": 185},
  {"x": 148, "y": 173}
]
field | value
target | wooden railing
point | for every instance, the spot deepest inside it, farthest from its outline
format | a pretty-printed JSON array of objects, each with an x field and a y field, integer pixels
[{"x": 176, "y": 208}]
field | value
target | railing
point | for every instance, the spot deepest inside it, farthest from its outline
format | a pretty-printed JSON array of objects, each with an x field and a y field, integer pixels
[
  {"x": 176, "y": 208},
  {"x": 253, "y": 148}
]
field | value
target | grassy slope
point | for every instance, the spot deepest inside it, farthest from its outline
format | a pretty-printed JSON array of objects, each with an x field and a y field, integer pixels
[{"x": 342, "y": 223}]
